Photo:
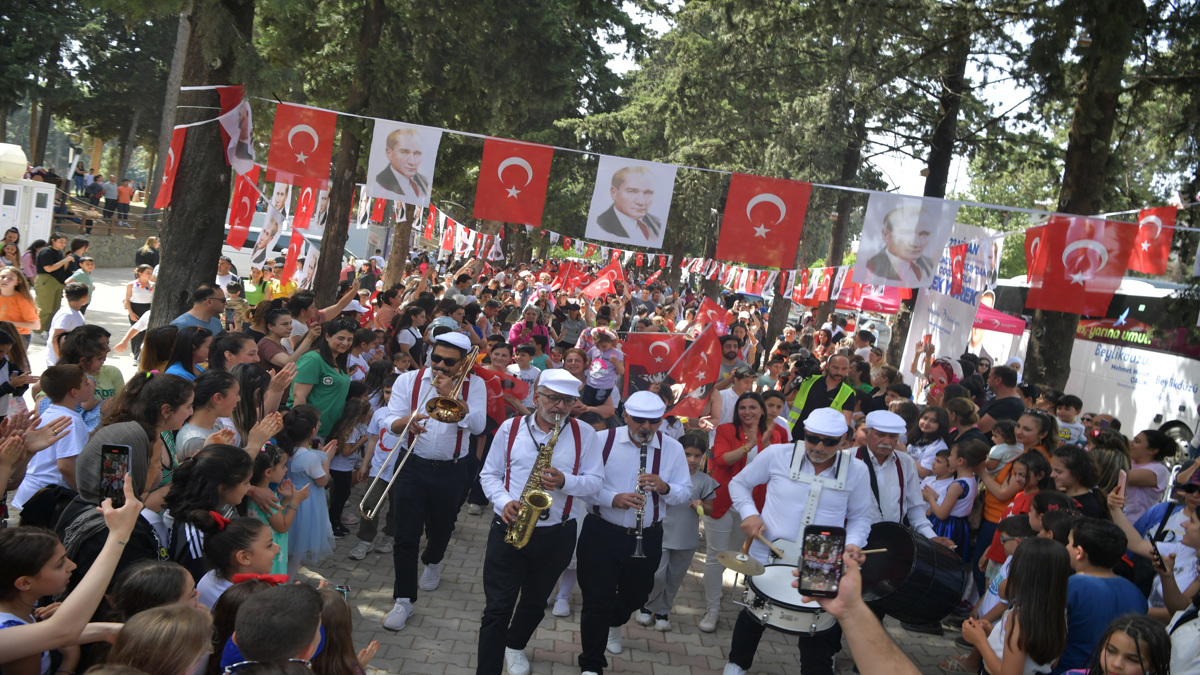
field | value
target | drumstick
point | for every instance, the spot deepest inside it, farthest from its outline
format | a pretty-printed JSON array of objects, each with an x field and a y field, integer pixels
[
  {"x": 875, "y": 550},
  {"x": 778, "y": 554}
]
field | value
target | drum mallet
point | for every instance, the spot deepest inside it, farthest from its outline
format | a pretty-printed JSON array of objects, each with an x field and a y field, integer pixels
[{"x": 778, "y": 554}]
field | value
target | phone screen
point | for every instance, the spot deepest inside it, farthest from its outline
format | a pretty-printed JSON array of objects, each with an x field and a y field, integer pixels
[
  {"x": 114, "y": 464},
  {"x": 1121, "y": 477},
  {"x": 821, "y": 561}
]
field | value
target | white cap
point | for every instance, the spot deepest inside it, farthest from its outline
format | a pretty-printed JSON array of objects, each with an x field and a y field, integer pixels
[
  {"x": 645, "y": 404},
  {"x": 886, "y": 421},
  {"x": 355, "y": 306},
  {"x": 826, "y": 422},
  {"x": 455, "y": 339},
  {"x": 559, "y": 381}
]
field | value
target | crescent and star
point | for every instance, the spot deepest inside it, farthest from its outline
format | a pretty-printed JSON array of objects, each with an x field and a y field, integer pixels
[
  {"x": 761, "y": 230},
  {"x": 1092, "y": 245},
  {"x": 515, "y": 161},
  {"x": 1146, "y": 222},
  {"x": 664, "y": 345},
  {"x": 304, "y": 129}
]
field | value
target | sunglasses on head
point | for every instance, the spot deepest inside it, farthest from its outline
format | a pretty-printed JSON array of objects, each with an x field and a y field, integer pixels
[
  {"x": 822, "y": 440},
  {"x": 448, "y": 360},
  {"x": 645, "y": 420}
]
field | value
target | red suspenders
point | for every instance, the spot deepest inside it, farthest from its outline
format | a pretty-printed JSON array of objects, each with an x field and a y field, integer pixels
[
  {"x": 416, "y": 398},
  {"x": 512, "y": 437}
]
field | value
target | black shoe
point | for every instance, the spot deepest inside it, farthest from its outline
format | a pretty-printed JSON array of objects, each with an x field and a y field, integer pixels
[
  {"x": 340, "y": 532},
  {"x": 925, "y": 628}
]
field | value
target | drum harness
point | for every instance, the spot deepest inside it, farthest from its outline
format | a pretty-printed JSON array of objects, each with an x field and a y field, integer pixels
[{"x": 817, "y": 483}]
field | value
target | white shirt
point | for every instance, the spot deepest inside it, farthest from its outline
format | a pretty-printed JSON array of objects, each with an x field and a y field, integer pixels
[
  {"x": 783, "y": 511},
  {"x": 224, "y": 279},
  {"x": 383, "y": 438},
  {"x": 438, "y": 443},
  {"x": 580, "y": 484},
  {"x": 43, "y": 468},
  {"x": 889, "y": 491},
  {"x": 65, "y": 319},
  {"x": 621, "y": 472},
  {"x": 357, "y": 365},
  {"x": 210, "y": 588}
]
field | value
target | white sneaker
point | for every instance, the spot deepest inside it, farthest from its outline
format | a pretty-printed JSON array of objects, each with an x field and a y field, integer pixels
[
  {"x": 349, "y": 518},
  {"x": 396, "y": 618},
  {"x": 431, "y": 577},
  {"x": 614, "y": 640},
  {"x": 360, "y": 550},
  {"x": 734, "y": 669},
  {"x": 663, "y": 625},
  {"x": 709, "y": 623},
  {"x": 589, "y": 672},
  {"x": 515, "y": 661},
  {"x": 643, "y": 617},
  {"x": 385, "y": 546},
  {"x": 562, "y": 607},
  {"x": 474, "y": 510}
]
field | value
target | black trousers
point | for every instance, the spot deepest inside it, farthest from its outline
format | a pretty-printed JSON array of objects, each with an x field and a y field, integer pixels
[
  {"x": 138, "y": 309},
  {"x": 474, "y": 494},
  {"x": 614, "y": 584},
  {"x": 531, "y": 573},
  {"x": 816, "y": 651},
  {"x": 426, "y": 499},
  {"x": 339, "y": 483}
]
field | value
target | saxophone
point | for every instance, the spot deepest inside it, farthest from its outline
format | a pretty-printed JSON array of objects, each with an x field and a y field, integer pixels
[{"x": 535, "y": 501}]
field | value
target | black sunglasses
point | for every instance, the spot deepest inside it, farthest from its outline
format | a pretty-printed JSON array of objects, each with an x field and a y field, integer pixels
[
  {"x": 823, "y": 440},
  {"x": 646, "y": 420},
  {"x": 449, "y": 361}
]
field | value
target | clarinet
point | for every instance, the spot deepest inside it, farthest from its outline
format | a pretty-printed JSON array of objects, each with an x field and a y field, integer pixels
[{"x": 641, "y": 510}]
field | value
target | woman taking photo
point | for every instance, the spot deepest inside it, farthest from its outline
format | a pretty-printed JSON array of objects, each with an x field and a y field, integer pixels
[
  {"x": 530, "y": 325},
  {"x": 139, "y": 293},
  {"x": 16, "y": 302},
  {"x": 322, "y": 378}
]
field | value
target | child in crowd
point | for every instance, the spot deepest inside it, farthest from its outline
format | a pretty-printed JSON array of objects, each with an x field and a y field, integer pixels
[
  {"x": 67, "y": 318},
  {"x": 607, "y": 365},
  {"x": 377, "y": 380},
  {"x": 166, "y": 640},
  {"x": 350, "y": 433},
  {"x": 1132, "y": 645},
  {"x": 949, "y": 515},
  {"x": 555, "y": 358},
  {"x": 338, "y": 657},
  {"x": 356, "y": 360},
  {"x": 311, "y": 536},
  {"x": 66, "y": 386},
  {"x": 83, "y": 275},
  {"x": 152, "y": 583},
  {"x": 224, "y": 615},
  {"x": 237, "y": 308},
  {"x": 1075, "y": 473},
  {"x": 279, "y": 623},
  {"x": 215, "y": 479},
  {"x": 380, "y": 444},
  {"x": 1048, "y": 501},
  {"x": 1148, "y": 476},
  {"x": 1067, "y": 408},
  {"x": 270, "y": 468},
  {"x": 933, "y": 432},
  {"x": 523, "y": 370},
  {"x": 681, "y": 526},
  {"x": 1013, "y": 530},
  {"x": 1005, "y": 447},
  {"x": 233, "y": 547},
  {"x": 541, "y": 344},
  {"x": 35, "y": 565},
  {"x": 933, "y": 486},
  {"x": 1057, "y": 525}
]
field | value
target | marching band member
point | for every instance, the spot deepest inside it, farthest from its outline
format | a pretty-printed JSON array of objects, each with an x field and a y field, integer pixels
[
  {"x": 575, "y": 472},
  {"x": 428, "y": 491},
  {"x": 614, "y": 583},
  {"x": 793, "y": 503}
]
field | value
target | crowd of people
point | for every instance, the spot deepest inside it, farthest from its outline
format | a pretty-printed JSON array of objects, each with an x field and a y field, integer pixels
[{"x": 254, "y": 414}]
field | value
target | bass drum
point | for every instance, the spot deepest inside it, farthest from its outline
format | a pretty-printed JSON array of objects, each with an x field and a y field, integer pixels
[
  {"x": 771, "y": 600},
  {"x": 916, "y": 580}
]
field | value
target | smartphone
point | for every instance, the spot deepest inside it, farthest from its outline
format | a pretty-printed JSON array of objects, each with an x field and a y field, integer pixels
[
  {"x": 821, "y": 560},
  {"x": 114, "y": 464},
  {"x": 1120, "y": 489}
]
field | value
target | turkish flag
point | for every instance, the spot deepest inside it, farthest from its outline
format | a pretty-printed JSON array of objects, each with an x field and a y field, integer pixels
[
  {"x": 241, "y": 209},
  {"x": 565, "y": 272},
  {"x": 662, "y": 260},
  {"x": 1034, "y": 248},
  {"x": 648, "y": 355},
  {"x": 377, "y": 210},
  {"x": 958, "y": 258},
  {"x": 305, "y": 206},
  {"x": 606, "y": 281},
  {"x": 826, "y": 282},
  {"x": 1085, "y": 260},
  {"x": 294, "y": 245},
  {"x": 512, "y": 181},
  {"x": 653, "y": 277},
  {"x": 448, "y": 235},
  {"x": 430, "y": 221},
  {"x": 698, "y": 369},
  {"x": 589, "y": 250},
  {"x": 1152, "y": 246},
  {"x": 566, "y": 241},
  {"x": 163, "y": 200},
  {"x": 301, "y": 146},
  {"x": 763, "y": 220},
  {"x": 711, "y": 312},
  {"x": 640, "y": 260}
]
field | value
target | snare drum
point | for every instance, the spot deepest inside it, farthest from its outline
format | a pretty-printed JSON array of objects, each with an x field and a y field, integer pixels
[{"x": 771, "y": 600}]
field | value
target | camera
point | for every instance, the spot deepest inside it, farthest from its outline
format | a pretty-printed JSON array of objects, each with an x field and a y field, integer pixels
[{"x": 806, "y": 367}]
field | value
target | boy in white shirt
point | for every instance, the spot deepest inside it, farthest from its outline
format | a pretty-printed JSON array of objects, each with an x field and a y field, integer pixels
[
  {"x": 522, "y": 369},
  {"x": 67, "y": 386},
  {"x": 67, "y": 318}
]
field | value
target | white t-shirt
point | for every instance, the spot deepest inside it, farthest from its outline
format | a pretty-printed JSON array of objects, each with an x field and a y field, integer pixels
[
  {"x": 529, "y": 377},
  {"x": 342, "y": 462},
  {"x": 11, "y": 621},
  {"x": 357, "y": 365},
  {"x": 224, "y": 279},
  {"x": 65, "y": 319},
  {"x": 385, "y": 440},
  {"x": 43, "y": 468}
]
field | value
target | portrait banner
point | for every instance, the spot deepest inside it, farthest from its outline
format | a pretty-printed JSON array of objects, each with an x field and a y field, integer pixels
[
  {"x": 277, "y": 212},
  {"x": 902, "y": 239},
  {"x": 402, "y": 162},
  {"x": 630, "y": 202}
]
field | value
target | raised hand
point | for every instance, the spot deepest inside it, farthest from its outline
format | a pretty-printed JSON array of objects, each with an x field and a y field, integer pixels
[{"x": 37, "y": 440}]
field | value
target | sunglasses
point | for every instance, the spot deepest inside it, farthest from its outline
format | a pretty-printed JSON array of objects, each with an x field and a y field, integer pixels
[
  {"x": 1085, "y": 420},
  {"x": 645, "y": 420},
  {"x": 823, "y": 440},
  {"x": 448, "y": 360}
]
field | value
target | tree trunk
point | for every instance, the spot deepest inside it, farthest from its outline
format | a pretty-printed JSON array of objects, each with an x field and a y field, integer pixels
[
  {"x": 97, "y": 154},
  {"x": 341, "y": 191},
  {"x": 43, "y": 132},
  {"x": 166, "y": 127},
  {"x": 401, "y": 235},
  {"x": 33, "y": 125},
  {"x": 851, "y": 161},
  {"x": 941, "y": 154},
  {"x": 1052, "y": 334},
  {"x": 130, "y": 143},
  {"x": 3, "y": 124},
  {"x": 194, "y": 230}
]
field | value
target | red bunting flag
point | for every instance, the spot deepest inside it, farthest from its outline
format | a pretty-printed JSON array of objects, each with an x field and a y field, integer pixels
[
  {"x": 640, "y": 259},
  {"x": 430, "y": 221},
  {"x": 301, "y": 146},
  {"x": 958, "y": 259},
  {"x": 654, "y": 277},
  {"x": 763, "y": 220},
  {"x": 1152, "y": 246},
  {"x": 1085, "y": 260},
  {"x": 449, "y": 235},
  {"x": 826, "y": 284},
  {"x": 241, "y": 209},
  {"x": 377, "y": 210},
  {"x": 648, "y": 356},
  {"x": 174, "y": 153},
  {"x": 512, "y": 182},
  {"x": 589, "y": 251},
  {"x": 294, "y": 245},
  {"x": 616, "y": 255},
  {"x": 305, "y": 206},
  {"x": 1034, "y": 248},
  {"x": 606, "y": 281}
]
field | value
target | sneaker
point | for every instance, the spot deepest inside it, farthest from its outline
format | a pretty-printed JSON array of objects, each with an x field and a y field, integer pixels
[
  {"x": 709, "y": 623},
  {"x": 475, "y": 510},
  {"x": 349, "y": 518},
  {"x": 644, "y": 617},
  {"x": 385, "y": 546},
  {"x": 340, "y": 532},
  {"x": 360, "y": 550},
  {"x": 614, "y": 640},
  {"x": 562, "y": 607},
  {"x": 396, "y": 618},
  {"x": 734, "y": 669},
  {"x": 934, "y": 628},
  {"x": 515, "y": 661},
  {"x": 431, "y": 577},
  {"x": 662, "y": 623}
]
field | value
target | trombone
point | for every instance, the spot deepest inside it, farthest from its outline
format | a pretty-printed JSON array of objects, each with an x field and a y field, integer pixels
[{"x": 447, "y": 409}]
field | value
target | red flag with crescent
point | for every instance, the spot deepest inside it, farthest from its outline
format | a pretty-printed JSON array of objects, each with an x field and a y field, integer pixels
[
  {"x": 448, "y": 236},
  {"x": 512, "y": 181},
  {"x": 589, "y": 250},
  {"x": 605, "y": 281},
  {"x": 301, "y": 146},
  {"x": 648, "y": 355},
  {"x": 958, "y": 261},
  {"x": 1152, "y": 246},
  {"x": 698, "y": 369},
  {"x": 711, "y": 312},
  {"x": 616, "y": 255},
  {"x": 1034, "y": 248},
  {"x": 430, "y": 221},
  {"x": 763, "y": 220},
  {"x": 174, "y": 153},
  {"x": 653, "y": 277},
  {"x": 295, "y": 244},
  {"x": 641, "y": 259},
  {"x": 241, "y": 209},
  {"x": 377, "y": 210},
  {"x": 566, "y": 242},
  {"x": 305, "y": 205},
  {"x": 1085, "y": 260}
]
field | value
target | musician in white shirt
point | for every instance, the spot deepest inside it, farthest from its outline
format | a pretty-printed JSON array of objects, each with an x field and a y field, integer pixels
[
  {"x": 793, "y": 501},
  {"x": 428, "y": 492},
  {"x": 576, "y": 471},
  {"x": 613, "y": 582}
]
